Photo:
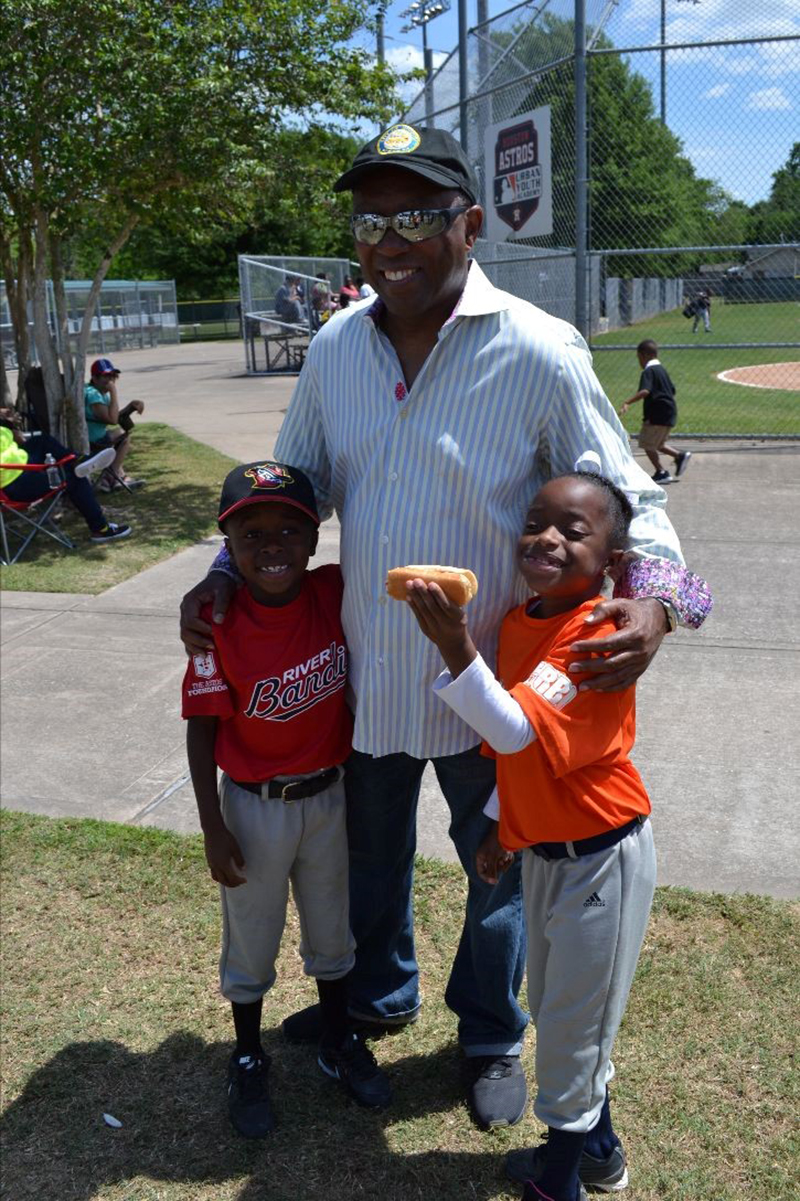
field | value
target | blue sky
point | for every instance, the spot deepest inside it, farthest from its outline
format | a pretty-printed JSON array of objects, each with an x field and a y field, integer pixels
[{"x": 736, "y": 109}]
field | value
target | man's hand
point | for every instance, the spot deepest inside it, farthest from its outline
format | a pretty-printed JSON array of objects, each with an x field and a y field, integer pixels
[
  {"x": 216, "y": 589},
  {"x": 492, "y": 859},
  {"x": 224, "y": 856},
  {"x": 626, "y": 654},
  {"x": 443, "y": 622}
]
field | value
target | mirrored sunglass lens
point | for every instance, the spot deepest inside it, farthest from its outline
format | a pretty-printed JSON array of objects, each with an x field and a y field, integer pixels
[
  {"x": 369, "y": 228},
  {"x": 419, "y": 224}
]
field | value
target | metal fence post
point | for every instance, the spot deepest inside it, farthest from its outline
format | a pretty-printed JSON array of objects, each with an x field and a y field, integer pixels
[
  {"x": 463, "y": 72},
  {"x": 581, "y": 182}
]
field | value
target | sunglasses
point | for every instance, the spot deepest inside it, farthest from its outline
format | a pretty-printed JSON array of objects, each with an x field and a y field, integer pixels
[{"x": 416, "y": 225}]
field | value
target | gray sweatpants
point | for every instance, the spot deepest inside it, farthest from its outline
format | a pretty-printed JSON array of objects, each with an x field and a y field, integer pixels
[
  {"x": 305, "y": 843},
  {"x": 586, "y": 920}
]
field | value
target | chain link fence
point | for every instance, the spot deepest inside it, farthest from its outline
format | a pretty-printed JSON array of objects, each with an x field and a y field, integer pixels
[{"x": 687, "y": 181}]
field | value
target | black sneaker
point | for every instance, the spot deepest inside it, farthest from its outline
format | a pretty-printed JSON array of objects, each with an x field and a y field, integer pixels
[
  {"x": 498, "y": 1093},
  {"x": 111, "y": 532},
  {"x": 248, "y": 1095},
  {"x": 354, "y": 1066},
  {"x": 532, "y": 1193},
  {"x": 607, "y": 1175},
  {"x": 682, "y": 462},
  {"x": 662, "y": 477}
]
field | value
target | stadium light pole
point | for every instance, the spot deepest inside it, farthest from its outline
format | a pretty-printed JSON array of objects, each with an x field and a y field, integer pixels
[{"x": 419, "y": 14}]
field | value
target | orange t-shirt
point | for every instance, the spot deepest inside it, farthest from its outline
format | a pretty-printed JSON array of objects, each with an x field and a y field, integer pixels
[{"x": 576, "y": 779}]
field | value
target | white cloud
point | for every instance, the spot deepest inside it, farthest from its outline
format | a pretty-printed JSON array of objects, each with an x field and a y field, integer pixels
[
  {"x": 719, "y": 89},
  {"x": 402, "y": 58},
  {"x": 768, "y": 98}
]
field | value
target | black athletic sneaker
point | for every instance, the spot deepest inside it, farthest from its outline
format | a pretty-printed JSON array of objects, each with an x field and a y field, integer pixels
[
  {"x": 111, "y": 532},
  {"x": 248, "y": 1095},
  {"x": 354, "y": 1066},
  {"x": 498, "y": 1093},
  {"x": 607, "y": 1175},
  {"x": 682, "y": 462},
  {"x": 663, "y": 477},
  {"x": 305, "y": 1026},
  {"x": 533, "y": 1193}
]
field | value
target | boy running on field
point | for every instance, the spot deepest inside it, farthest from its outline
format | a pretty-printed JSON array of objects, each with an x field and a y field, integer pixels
[
  {"x": 657, "y": 391},
  {"x": 571, "y": 800},
  {"x": 267, "y": 706}
]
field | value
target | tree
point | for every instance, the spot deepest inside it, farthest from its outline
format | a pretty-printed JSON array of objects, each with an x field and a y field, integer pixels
[
  {"x": 117, "y": 112},
  {"x": 778, "y": 218}
]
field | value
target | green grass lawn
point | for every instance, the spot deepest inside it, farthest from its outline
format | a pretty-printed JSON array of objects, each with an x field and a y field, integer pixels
[
  {"x": 705, "y": 403},
  {"x": 175, "y": 509},
  {"x": 110, "y": 940}
]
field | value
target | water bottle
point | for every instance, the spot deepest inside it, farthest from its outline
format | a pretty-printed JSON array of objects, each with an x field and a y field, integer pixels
[{"x": 53, "y": 472}]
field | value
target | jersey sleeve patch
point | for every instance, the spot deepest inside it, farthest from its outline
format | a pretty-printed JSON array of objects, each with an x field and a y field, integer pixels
[{"x": 551, "y": 685}]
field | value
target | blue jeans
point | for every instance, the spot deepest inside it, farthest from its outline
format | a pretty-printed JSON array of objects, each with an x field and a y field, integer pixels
[{"x": 382, "y": 796}]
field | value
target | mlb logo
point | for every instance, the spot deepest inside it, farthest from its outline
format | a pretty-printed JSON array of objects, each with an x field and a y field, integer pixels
[{"x": 204, "y": 665}]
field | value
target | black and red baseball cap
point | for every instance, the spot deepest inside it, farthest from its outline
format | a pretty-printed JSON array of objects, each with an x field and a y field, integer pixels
[
  {"x": 103, "y": 367},
  {"x": 254, "y": 483}
]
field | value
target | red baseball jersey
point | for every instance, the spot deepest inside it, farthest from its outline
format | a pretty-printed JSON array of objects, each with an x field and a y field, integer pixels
[
  {"x": 276, "y": 680},
  {"x": 576, "y": 779}
]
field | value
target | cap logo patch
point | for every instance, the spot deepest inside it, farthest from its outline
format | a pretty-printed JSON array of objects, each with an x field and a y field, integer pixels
[
  {"x": 268, "y": 476},
  {"x": 400, "y": 139}
]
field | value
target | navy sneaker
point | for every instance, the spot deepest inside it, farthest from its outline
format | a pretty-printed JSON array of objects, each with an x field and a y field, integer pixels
[
  {"x": 248, "y": 1095},
  {"x": 607, "y": 1175},
  {"x": 498, "y": 1093},
  {"x": 682, "y": 462},
  {"x": 356, "y": 1069},
  {"x": 663, "y": 477},
  {"x": 305, "y": 1026},
  {"x": 111, "y": 532}
]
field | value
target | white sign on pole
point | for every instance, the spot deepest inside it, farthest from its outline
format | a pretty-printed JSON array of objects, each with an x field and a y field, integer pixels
[{"x": 519, "y": 193}]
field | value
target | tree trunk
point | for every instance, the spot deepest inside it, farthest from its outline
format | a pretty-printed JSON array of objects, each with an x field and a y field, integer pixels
[
  {"x": 76, "y": 415},
  {"x": 18, "y": 292},
  {"x": 45, "y": 343}
]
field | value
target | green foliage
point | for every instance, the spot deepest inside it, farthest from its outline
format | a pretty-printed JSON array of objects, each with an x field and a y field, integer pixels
[{"x": 778, "y": 218}]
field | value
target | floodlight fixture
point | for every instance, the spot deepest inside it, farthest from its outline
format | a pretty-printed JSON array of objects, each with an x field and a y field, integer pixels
[{"x": 422, "y": 11}]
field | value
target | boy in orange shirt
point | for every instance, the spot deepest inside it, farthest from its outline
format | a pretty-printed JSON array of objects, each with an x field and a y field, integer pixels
[{"x": 571, "y": 800}]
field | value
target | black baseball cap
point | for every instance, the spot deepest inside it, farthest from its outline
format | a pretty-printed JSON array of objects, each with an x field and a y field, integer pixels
[
  {"x": 432, "y": 153},
  {"x": 254, "y": 483}
]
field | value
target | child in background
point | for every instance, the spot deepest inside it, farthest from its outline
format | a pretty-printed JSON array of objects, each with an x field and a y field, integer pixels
[
  {"x": 657, "y": 391},
  {"x": 267, "y": 706},
  {"x": 571, "y": 800}
]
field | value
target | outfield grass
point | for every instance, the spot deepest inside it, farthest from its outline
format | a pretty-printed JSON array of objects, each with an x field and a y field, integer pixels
[
  {"x": 110, "y": 1005},
  {"x": 705, "y": 403},
  {"x": 175, "y": 509}
]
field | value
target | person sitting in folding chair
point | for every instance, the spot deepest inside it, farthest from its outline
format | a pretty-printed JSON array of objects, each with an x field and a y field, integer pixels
[
  {"x": 28, "y": 496},
  {"x": 102, "y": 410}
]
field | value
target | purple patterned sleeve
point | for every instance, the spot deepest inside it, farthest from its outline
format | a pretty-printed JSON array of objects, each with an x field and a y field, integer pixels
[
  {"x": 224, "y": 562},
  {"x": 690, "y": 595}
]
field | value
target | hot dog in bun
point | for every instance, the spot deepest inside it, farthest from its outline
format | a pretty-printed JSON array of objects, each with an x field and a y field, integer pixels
[{"x": 458, "y": 584}]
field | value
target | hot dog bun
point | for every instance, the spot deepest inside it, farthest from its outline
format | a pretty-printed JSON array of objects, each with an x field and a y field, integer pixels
[{"x": 458, "y": 584}]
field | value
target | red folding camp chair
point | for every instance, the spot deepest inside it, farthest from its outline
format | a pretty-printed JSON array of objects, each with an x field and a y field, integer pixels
[{"x": 22, "y": 520}]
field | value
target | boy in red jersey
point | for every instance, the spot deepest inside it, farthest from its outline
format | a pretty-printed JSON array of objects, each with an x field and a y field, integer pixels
[
  {"x": 267, "y": 706},
  {"x": 571, "y": 800}
]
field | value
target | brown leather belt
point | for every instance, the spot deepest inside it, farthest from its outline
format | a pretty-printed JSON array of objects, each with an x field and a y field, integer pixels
[{"x": 293, "y": 790}]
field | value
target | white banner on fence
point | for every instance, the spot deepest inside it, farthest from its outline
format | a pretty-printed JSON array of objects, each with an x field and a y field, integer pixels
[{"x": 519, "y": 193}]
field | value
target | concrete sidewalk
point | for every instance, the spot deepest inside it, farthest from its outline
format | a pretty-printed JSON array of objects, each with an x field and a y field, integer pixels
[{"x": 90, "y": 685}]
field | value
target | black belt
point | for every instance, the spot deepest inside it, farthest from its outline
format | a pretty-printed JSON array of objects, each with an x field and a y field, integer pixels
[
  {"x": 586, "y": 846},
  {"x": 293, "y": 790}
]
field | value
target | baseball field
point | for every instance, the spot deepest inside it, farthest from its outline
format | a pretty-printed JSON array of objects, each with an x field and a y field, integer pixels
[{"x": 707, "y": 404}]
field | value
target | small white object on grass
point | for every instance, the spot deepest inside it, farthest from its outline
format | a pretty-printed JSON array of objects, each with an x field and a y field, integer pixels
[{"x": 110, "y": 1120}]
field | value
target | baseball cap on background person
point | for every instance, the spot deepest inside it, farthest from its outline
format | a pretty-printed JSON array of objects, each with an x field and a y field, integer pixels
[
  {"x": 255, "y": 483},
  {"x": 432, "y": 153},
  {"x": 103, "y": 367}
]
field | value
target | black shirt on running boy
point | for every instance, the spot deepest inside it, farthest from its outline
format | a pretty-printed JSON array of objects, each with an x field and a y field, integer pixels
[{"x": 659, "y": 405}]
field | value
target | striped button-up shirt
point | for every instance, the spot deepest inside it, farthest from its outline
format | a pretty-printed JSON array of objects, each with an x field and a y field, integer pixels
[{"x": 444, "y": 472}]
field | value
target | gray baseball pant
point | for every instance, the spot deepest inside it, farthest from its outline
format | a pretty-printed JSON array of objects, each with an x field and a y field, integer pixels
[
  {"x": 586, "y": 920},
  {"x": 304, "y": 842}
]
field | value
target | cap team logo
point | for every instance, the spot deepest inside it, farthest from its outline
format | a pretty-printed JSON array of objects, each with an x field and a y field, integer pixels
[
  {"x": 269, "y": 476},
  {"x": 400, "y": 139}
]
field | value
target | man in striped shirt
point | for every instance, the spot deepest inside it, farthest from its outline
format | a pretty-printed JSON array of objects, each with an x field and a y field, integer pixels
[{"x": 428, "y": 418}]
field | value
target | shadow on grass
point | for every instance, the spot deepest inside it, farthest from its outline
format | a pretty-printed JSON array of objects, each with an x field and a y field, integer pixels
[{"x": 175, "y": 1129}]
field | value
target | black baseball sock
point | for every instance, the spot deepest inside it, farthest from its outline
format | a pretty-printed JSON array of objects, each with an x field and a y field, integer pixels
[
  {"x": 601, "y": 1139},
  {"x": 333, "y": 995},
  {"x": 247, "y": 1024},
  {"x": 559, "y": 1179}
]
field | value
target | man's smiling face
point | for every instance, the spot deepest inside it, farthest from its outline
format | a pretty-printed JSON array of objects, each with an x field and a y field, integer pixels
[{"x": 415, "y": 280}]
